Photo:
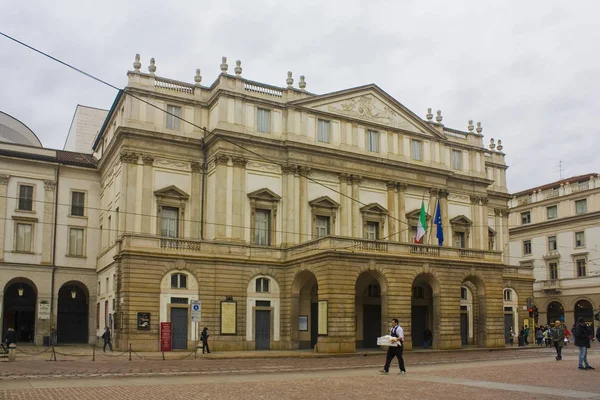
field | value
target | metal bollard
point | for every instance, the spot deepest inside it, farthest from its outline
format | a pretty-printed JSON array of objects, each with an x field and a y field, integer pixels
[{"x": 12, "y": 352}]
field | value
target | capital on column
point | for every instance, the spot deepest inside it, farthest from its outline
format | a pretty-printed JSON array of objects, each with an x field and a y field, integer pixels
[
  {"x": 4, "y": 179},
  {"x": 49, "y": 185}
]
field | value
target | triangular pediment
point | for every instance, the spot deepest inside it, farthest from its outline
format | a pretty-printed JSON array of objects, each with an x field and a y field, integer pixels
[
  {"x": 373, "y": 208},
  {"x": 461, "y": 220},
  {"x": 324, "y": 201},
  {"x": 371, "y": 104},
  {"x": 414, "y": 214},
  {"x": 172, "y": 192},
  {"x": 264, "y": 194}
]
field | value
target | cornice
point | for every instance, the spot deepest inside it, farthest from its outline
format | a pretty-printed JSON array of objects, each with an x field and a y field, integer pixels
[{"x": 554, "y": 222}]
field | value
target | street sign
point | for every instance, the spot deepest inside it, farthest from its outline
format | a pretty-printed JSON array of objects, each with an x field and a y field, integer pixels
[
  {"x": 196, "y": 310},
  {"x": 165, "y": 336}
]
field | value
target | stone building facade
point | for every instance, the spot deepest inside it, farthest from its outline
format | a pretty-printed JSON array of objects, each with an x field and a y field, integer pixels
[
  {"x": 291, "y": 217},
  {"x": 555, "y": 231}
]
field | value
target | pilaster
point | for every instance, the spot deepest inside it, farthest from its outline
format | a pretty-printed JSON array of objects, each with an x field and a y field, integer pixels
[
  {"x": 484, "y": 223},
  {"x": 147, "y": 193},
  {"x": 476, "y": 217},
  {"x": 195, "y": 199},
  {"x": 220, "y": 221},
  {"x": 3, "y": 194},
  {"x": 443, "y": 193},
  {"x": 288, "y": 218},
  {"x": 303, "y": 212},
  {"x": 344, "y": 178},
  {"x": 128, "y": 189},
  {"x": 392, "y": 190},
  {"x": 239, "y": 199},
  {"x": 432, "y": 234},
  {"x": 48, "y": 219},
  {"x": 356, "y": 218},
  {"x": 404, "y": 230}
]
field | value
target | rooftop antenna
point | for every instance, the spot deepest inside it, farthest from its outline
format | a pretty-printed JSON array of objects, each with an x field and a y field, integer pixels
[{"x": 560, "y": 169}]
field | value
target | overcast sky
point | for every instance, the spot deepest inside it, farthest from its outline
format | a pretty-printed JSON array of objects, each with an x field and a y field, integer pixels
[{"x": 529, "y": 72}]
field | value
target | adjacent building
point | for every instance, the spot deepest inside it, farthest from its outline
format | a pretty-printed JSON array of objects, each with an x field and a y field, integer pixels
[
  {"x": 291, "y": 218},
  {"x": 555, "y": 232}
]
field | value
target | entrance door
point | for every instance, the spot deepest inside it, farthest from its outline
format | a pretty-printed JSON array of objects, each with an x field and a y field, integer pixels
[
  {"x": 19, "y": 312},
  {"x": 371, "y": 325},
  {"x": 314, "y": 324},
  {"x": 262, "y": 329},
  {"x": 464, "y": 328},
  {"x": 72, "y": 323},
  {"x": 179, "y": 321},
  {"x": 508, "y": 318},
  {"x": 419, "y": 323}
]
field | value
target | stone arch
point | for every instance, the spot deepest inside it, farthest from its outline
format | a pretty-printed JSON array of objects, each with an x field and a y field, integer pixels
[
  {"x": 304, "y": 303},
  {"x": 510, "y": 301},
  {"x": 581, "y": 309},
  {"x": 479, "y": 311},
  {"x": 370, "y": 306},
  {"x": 555, "y": 309},
  {"x": 425, "y": 306},
  {"x": 175, "y": 300},
  {"x": 19, "y": 312},
  {"x": 263, "y": 310},
  {"x": 72, "y": 312}
]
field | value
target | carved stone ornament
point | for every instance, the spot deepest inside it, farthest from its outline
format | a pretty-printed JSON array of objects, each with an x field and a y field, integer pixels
[
  {"x": 475, "y": 199},
  {"x": 239, "y": 162},
  {"x": 443, "y": 193},
  {"x": 303, "y": 170},
  {"x": 198, "y": 77},
  {"x": 49, "y": 185},
  {"x": 302, "y": 84},
  {"x": 355, "y": 179},
  {"x": 221, "y": 159},
  {"x": 238, "y": 69},
  {"x": 224, "y": 65},
  {"x": 148, "y": 159},
  {"x": 344, "y": 178},
  {"x": 152, "y": 66},
  {"x": 288, "y": 169},
  {"x": 137, "y": 64},
  {"x": 4, "y": 179},
  {"x": 390, "y": 185},
  {"x": 129, "y": 157},
  {"x": 402, "y": 186},
  {"x": 195, "y": 166},
  {"x": 484, "y": 201},
  {"x": 289, "y": 81},
  {"x": 429, "y": 115},
  {"x": 366, "y": 107}
]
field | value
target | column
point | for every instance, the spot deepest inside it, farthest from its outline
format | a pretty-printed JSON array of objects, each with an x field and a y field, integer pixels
[
  {"x": 288, "y": 196},
  {"x": 344, "y": 201},
  {"x": 48, "y": 218},
  {"x": 356, "y": 218},
  {"x": 476, "y": 219},
  {"x": 484, "y": 224},
  {"x": 404, "y": 228},
  {"x": 220, "y": 220},
  {"x": 445, "y": 218},
  {"x": 303, "y": 212},
  {"x": 3, "y": 194},
  {"x": 129, "y": 162},
  {"x": 392, "y": 191},
  {"x": 147, "y": 193},
  {"x": 238, "y": 211},
  {"x": 195, "y": 199}
]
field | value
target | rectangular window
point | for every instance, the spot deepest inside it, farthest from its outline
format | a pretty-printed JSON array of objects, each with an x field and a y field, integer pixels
[
  {"x": 526, "y": 247},
  {"x": 459, "y": 240},
  {"x": 76, "y": 241},
  {"x": 581, "y": 206},
  {"x": 579, "y": 239},
  {"x": 117, "y": 221},
  {"x": 262, "y": 227},
  {"x": 457, "y": 159},
  {"x": 552, "y": 212},
  {"x": 553, "y": 271},
  {"x": 581, "y": 267},
  {"x": 373, "y": 141},
  {"x": 372, "y": 232},
  {"x": 25, "y": 198},
  {"x": 323, "y": 130},
  {"x": 169, "y": 222},
  {"x": 110, "y": 232},
  {"x": 525, "y": 217},
  {"x": 106, "y": 313},
  {"x": 77, "y": 203},
  {"x": 24, "y": 240},
  {"x": 322, "y": 226},
  {"x": 263, "y": 120},
  {"x": 416, "y": 150},
  {"x": 463, "y": 293},
  {"x": 173, "y": 117},
  {"x": 97, "y": 315},
  {"x": 552, "y": 246}
]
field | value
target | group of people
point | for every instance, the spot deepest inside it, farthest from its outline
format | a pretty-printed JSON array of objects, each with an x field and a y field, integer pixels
[
  {"x": 543, "y": 335},
  {"x": 107, "y": 338}
]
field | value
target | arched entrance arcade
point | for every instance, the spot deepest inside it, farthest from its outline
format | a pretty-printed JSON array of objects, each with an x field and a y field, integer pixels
[
  {"x": 584, "y": 309},
  {"x": 478, "y": 312},
  {"x": 370, "y": 308},
  {"x": 555, "y": 312},
  {"x": 72, "y": 316},
  {"x": 20, "y": 297},
  {"x": 424, "y": 318},
  {"x": 305, "y": 310}
]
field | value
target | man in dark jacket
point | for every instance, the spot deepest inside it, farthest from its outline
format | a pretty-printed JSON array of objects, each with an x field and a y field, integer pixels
[
  {"x": 11, "y": 337},
  {"x": 582, "y": 340},
  {"x": 107, "y": 339}
]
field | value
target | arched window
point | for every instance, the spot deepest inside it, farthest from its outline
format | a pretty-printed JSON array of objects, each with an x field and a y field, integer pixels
[
  {"x": 463, "y": 293},
  {"x": 262, "y": 285},
  {"x": 373, "y": 290},
  {"x": 179, "y": 281},
  {"x": 507, "y": 295}
]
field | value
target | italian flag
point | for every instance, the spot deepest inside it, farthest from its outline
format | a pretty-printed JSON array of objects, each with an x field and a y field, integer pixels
[{"x": 421, "y": 225}]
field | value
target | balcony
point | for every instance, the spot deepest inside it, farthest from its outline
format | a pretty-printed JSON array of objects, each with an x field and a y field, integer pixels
[
  {"x": 551, "y": 286},
  {"x": 174, "y": 247}
]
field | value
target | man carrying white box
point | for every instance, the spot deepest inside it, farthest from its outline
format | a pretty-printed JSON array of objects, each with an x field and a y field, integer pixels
[{"x": 395, "y": 348}]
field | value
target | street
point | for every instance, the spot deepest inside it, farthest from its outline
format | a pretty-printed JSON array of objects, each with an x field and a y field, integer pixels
[{"x": 431, "y": 375}]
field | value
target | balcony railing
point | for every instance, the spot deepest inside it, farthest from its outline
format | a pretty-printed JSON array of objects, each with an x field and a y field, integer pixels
[
  {"x": 189, "y": 247},
  {"x": 551, "y": 284}
]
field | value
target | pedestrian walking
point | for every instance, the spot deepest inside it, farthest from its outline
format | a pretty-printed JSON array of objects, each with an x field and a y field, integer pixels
[
  {"x": 10, "y": 338},
  {"x": 204, "y": 339},
  {"x": 396, "y": 348},
  {"x": 557, "y": 334},
  {"x": 427, "y": 338},
  {"x": 107, "y": 338},
  {"x": 582, "y": 340}
]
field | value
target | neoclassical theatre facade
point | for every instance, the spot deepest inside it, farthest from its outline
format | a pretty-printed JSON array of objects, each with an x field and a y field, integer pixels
[{"x": 291, "y": 217}]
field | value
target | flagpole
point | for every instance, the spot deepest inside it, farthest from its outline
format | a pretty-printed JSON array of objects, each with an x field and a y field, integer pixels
[
  {"x": 422, "y": 202},
  {"x": 429, "y": 213}
]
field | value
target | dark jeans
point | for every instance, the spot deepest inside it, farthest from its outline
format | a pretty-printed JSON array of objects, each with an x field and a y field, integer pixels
[
  {"x": 107, "y": 342},
  {"x": 391, "y": 353},
  {"x": 426, "y": 344},
  {"x": 205, "y": 346},
  {"x": 558, "y": 351}
]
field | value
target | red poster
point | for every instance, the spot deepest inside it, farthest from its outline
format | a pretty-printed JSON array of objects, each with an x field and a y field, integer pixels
[{"x": 165, "y": 336}]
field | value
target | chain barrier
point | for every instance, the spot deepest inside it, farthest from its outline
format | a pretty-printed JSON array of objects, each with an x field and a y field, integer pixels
[{"x": 33, "y": 354}]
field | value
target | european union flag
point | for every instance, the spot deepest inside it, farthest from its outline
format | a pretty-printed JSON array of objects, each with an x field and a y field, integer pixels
[{"x": 437, "y": 220}]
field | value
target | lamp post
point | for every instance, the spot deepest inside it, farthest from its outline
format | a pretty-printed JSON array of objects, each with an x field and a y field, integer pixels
[{"x": 20, "y": 291}]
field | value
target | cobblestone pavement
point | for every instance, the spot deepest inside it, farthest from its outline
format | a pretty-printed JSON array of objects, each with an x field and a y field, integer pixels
[
  {"x": 531, "y": 375},
  {"x": 40, "y": 367}
]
